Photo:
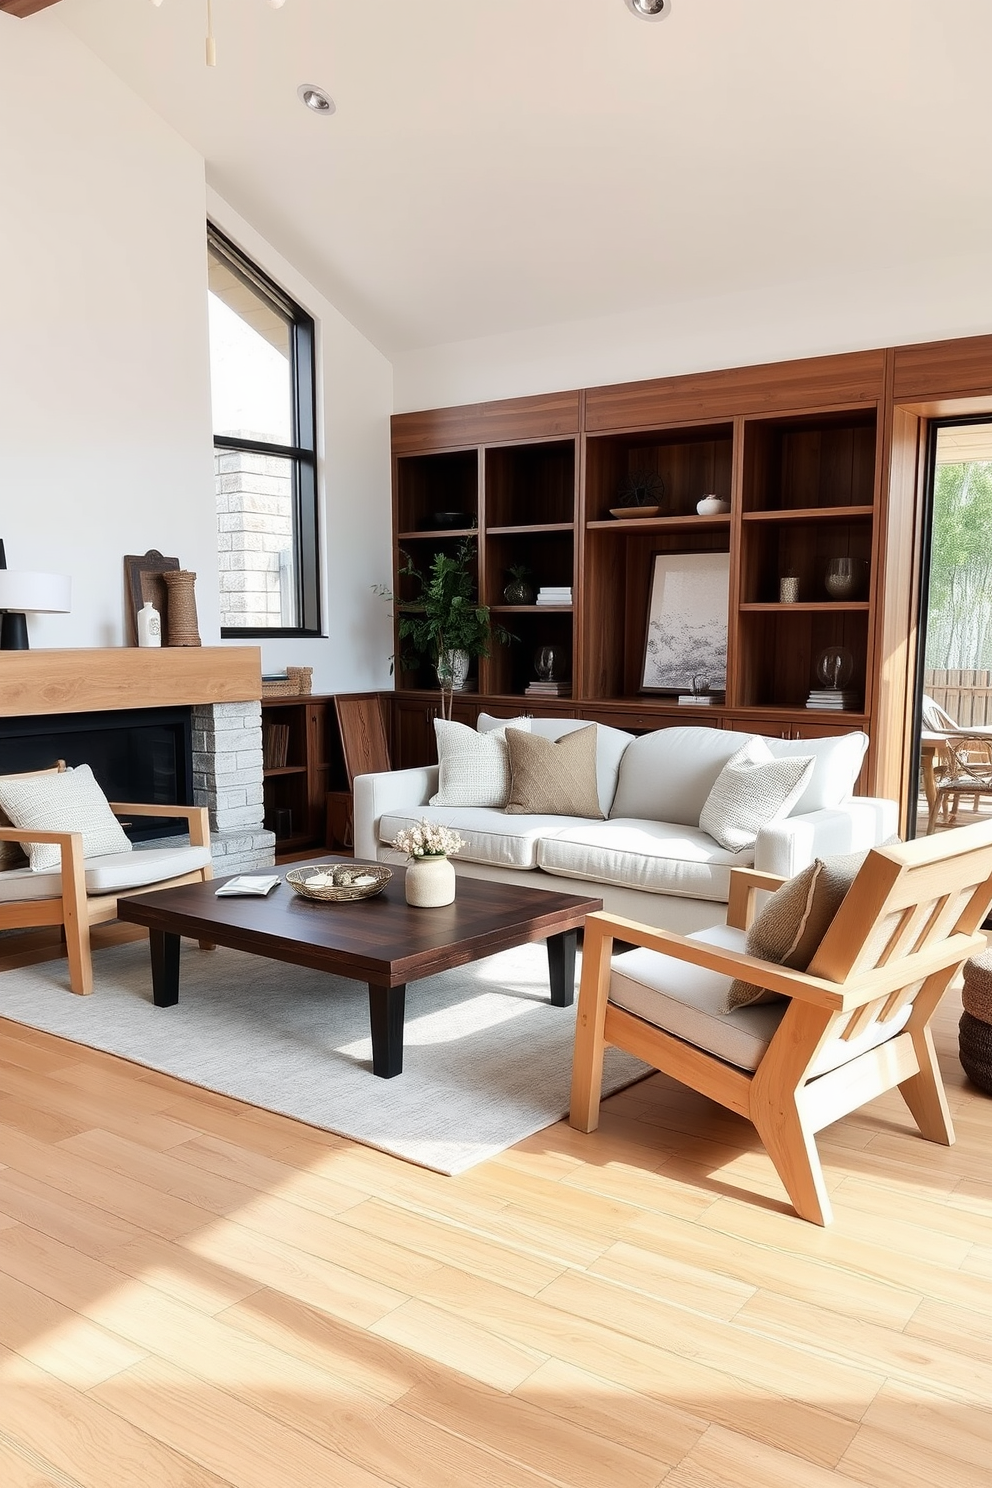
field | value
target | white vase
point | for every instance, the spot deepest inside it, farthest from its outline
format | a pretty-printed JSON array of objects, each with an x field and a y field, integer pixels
[
  {"x": 430, "y": 882},
  {"x": 149, "y": 625}
]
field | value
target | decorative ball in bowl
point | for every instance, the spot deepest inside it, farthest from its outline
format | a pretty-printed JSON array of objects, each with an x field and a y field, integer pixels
[{"x": 339, "y": 883}]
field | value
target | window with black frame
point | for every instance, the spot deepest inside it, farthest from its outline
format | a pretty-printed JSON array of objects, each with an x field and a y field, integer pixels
[{"x": 263, "y": 397}]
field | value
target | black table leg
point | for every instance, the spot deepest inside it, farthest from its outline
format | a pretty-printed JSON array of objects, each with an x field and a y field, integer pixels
[
  {"x": 561, "y": 967},
  {"x": 165, "y": 967},
  {"x": 386, "y": 1006}
]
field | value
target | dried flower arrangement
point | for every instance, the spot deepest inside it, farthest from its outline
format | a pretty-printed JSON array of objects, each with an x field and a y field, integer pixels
[{"x": 428, "y": 840}]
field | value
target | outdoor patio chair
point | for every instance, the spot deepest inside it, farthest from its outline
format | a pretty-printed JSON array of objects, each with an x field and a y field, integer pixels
[{"x": 852, "y": 1026}]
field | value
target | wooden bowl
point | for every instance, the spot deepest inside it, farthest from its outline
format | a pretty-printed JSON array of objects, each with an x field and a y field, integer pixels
[
  {"x": 339, "y": 883},
  {"x": 633, "y": 513}
]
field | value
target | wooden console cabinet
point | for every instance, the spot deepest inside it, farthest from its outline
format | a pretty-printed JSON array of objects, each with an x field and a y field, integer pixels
[{"x": 302, "y": 762}]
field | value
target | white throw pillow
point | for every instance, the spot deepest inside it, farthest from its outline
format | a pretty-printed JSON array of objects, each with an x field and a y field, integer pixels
[
  {"x": 474, "y": 767},
  {"x": 753, "y": 789},
  {"x": 68, "y": 802}
]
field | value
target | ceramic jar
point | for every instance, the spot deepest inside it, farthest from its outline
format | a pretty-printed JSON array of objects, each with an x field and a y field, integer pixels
[
  {"x": 149, "y": 625},
  {"x": 430, "y": 882},
  {"x": 712, "y": 506}
]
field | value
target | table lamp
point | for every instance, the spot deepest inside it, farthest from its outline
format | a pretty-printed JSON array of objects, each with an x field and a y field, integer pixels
[{"x": 22, "y": 592}]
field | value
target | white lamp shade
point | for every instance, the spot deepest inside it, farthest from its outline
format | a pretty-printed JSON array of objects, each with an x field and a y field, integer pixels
[{"x": 34, "y": 592}]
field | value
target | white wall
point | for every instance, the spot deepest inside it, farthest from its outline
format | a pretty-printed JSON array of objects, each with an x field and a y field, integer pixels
[
  {"x": 922, "y": 301},
  {"x": 354, "y": 401},
  {"x": 105, "y": 442}
]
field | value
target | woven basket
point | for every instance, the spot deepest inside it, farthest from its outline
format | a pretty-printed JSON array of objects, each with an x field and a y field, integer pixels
[
  {"x": 975, "y": 1050},
  {"x": 297, "y": 683},
  {"x": 976, "y": 994},
  {"x": 343, "y": 890}
]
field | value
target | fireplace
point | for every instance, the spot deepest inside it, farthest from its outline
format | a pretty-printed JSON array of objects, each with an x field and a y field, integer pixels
[
  {"x": 136, "y": 754},
  {"x": 69, "y": 705}
]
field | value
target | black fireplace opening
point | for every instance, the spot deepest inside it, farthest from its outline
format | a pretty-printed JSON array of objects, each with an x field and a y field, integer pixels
[{"x": 136, "y": 754}]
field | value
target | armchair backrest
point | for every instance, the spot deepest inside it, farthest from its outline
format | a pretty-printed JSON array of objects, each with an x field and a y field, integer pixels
[{"x": 910, "y": 919}]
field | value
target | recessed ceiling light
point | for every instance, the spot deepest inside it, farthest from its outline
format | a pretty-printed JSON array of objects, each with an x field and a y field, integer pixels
[
  {"x": 316, "y": 100},
  {"x": 650, "y": 10}
]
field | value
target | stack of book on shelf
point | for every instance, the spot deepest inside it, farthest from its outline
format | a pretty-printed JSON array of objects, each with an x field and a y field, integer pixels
[
  {"x": 551, "y": 594},
  {"x": 548, "y": 689},
  {"x": 275, "y": 746},
  {"x": 834, "y": 698},
  {"x": 702, "y": 699}
]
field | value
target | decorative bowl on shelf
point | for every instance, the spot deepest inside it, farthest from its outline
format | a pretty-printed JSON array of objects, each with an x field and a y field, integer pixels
[
  {"x": 338, "y": 883},
  {"x": 452, "y": 519},
  {"x": 633, "y": 513}
]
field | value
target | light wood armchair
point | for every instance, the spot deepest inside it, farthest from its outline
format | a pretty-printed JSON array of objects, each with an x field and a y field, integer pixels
[
  {"x": 909, "y": 922},
  {"x": 74, "y": 906}
]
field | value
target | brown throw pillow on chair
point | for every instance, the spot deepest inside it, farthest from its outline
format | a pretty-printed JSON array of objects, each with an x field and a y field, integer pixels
[
  {"x": 789, "y": 929},
  {"x": 553, "y": 777}
]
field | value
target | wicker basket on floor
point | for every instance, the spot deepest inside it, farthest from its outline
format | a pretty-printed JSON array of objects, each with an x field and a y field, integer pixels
[
  {"x": 975, "y": 1028},
  {"x": 297, "y": 683}
]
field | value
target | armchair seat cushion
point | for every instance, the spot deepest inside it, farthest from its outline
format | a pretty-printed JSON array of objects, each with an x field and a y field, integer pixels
[
  {"x": 657, "y": 857},
  {"x": 112, "y": 873},
  {"x": 690, "y": 1002}
]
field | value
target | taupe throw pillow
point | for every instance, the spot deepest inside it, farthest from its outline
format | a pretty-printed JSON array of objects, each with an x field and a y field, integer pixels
[
  {"x": 795, "y": 919},
  {"x": 553, "y": 777}
]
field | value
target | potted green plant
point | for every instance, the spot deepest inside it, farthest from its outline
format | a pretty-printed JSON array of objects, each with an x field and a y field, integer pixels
[{"x": 444, "y": 620}]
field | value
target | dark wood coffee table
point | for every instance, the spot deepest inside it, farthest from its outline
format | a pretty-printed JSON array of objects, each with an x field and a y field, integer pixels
[{"x": 381, "y": 941}]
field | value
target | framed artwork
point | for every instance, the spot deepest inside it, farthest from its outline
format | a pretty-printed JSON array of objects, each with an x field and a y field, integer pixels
[
  {"x": 686, "y": 631},
  {"x": 143, "y": 578}
]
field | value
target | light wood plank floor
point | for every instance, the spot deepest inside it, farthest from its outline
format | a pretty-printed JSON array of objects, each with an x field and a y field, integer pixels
[{"x": 195, "y": 1294}]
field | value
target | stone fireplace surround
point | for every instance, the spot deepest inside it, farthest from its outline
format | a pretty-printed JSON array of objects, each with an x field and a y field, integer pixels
[{"x": 221, "y": 685}]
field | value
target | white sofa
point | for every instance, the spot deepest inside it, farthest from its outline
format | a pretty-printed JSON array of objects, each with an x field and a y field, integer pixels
[{"x": 649, "y": 859}]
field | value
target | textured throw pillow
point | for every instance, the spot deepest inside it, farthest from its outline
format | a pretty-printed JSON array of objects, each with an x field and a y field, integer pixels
[
  {"x": 553, "y": 777},
  {"x": 795, "y": 919},
  {"x": 69, "y": 802},
  {"x": 474, "y": 768},
  {"x": 12, "y": 854},
  {"x": 751, "y": 790}
]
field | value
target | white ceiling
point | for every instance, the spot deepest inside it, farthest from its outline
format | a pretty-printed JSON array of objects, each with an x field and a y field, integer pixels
[{"x": 495, "y": 165}]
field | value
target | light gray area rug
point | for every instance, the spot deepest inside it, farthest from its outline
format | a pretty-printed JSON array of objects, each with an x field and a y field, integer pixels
[{"x": 487, "y": 1059}]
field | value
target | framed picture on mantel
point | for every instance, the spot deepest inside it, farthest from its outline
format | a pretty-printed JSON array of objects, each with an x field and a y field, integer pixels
[
  {"x": 143, "y": 577},
  {"x": 686, "y": 632}
]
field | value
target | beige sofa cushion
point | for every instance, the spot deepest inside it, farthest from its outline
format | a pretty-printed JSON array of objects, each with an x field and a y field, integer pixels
[
  {"x": 12, "y": 855},
  {"x": 666, "y": 776},
  {"x": 658, "y": 857},
  {"x": 691, "y": 1003},
  {"x": 490, "y": 836}
]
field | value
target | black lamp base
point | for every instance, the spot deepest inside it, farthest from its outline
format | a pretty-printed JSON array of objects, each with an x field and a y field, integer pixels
[{"x": 13, "y": 631}]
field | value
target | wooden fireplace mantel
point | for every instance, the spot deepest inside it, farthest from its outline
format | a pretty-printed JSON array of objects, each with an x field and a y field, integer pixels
[{"x": 90, "y": 681}]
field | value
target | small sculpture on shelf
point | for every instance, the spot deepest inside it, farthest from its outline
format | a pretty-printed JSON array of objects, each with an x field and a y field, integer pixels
[
  {"x": 712, "y": 506},
  {"x": 834, "y": 670},
  {"x": 518, "y": 591},
  {"x": 551, "y": 664},
  {"x": 639, "y": 494}
]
